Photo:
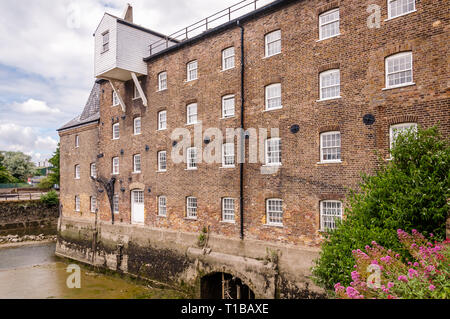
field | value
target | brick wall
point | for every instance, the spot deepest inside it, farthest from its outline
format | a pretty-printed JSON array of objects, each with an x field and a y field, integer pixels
[
  {"x": 83, "y": 155},
  {"x": 359, "y": 53}
]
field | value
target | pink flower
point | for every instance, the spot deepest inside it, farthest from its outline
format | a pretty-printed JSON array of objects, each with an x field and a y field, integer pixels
[
  {"x": 390, "y": 285},
  {"x": 412, "y": 273},
  {"x": 355, "y": 276},
  {"x": 432, "y": 287},
  {"x": 402, "y": 278}
]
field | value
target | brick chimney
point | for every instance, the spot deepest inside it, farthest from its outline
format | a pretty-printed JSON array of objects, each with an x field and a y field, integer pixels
[{"x": 128, "y": 13}]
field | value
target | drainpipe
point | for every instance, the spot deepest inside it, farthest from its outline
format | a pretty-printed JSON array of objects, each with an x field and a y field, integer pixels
[{"x": 241, "y": 165}]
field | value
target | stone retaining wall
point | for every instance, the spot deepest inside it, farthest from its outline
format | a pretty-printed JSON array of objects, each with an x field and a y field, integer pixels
[
  {"x": 21, "y": 215},
  {"x": 175, "y": 259}
]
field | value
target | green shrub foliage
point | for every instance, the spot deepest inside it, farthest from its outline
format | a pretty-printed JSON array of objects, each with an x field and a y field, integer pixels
[
  {"x": 409, "y": 192},
  {"x": 50, "y": 199}
]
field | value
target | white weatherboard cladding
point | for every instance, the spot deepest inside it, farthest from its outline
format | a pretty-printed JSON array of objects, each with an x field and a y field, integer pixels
[
  {"x": 132, "y": 48},
  {"x": 128, "y": 46},
  {"x": 107, "y": 60}
]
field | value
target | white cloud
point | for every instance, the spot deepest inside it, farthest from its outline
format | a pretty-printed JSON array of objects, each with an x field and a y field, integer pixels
[
  {"x": 26, "y": 139},
  {"x": 34, "y": 106}
]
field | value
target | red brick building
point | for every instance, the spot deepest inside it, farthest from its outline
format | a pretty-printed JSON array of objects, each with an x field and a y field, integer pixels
[{"x": 338, "y": 79}]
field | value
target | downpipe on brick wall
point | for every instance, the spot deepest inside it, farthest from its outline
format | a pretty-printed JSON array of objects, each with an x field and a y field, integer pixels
[{"x": 241, "y": 165}]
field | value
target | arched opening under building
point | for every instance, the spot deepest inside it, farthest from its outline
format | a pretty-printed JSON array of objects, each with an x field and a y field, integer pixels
[{"x": 221, "y": 285}]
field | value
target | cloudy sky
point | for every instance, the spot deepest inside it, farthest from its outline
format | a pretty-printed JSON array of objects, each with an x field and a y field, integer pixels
[{"x": 46, "y": 60}]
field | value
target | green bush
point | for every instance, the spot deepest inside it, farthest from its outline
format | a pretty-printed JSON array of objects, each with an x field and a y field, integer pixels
[
  {"x": 410, "y": 192},
  {"x": 50, "y": 199}
]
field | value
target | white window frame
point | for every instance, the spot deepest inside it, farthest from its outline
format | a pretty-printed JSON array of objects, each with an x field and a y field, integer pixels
[
  {"x": 191, "y": 210},
  {"x": 137, "y": 163},
  {"x": 77, "y": 171},
  {"x": 136, "y": 94},
  {"x": 93, "y": 170},
  {"x": 228, "y": 214},
  {"x": 402, "y": 127},
  {"x": 105, "y": 43},
  {"x": 390, "y": 16},
  {"x": 228, "y": 55},
  {"x": 225, "y": 155},
  {"x": 115, "y": 165},
  {"x": 116, "y": 131},
  {"x": 162, "y": 124},
  {"x": 190, "y": 114},
  {"x": 137, "y": 129},
  {"x": 116, "y": 204},
  {"x": 268, "y": 99},
  {"x": 115, "y": 99},
  {"x": 322, "y": 147},
  {"x": 192, "y": 71},
  {"x": 321, "y": 24},
  {"x": 77, "y": 141},
  {"x": 161, "y": 161},
  {"x": 93, "y": 204},
  {"x": 226, "y": 109},
  {"x": 191, "y": 165},
  {"x": 322, "y": 213},
  {"x": 322, "y": 75},
  {"x": 387, "y": 74},
  {"x": 266, "y": 151},
  {"x": 77, "y": 203},
  {"x": 269, "y": 42},
  {"x": 162, "y": 206},
  {"x": 162, "y": 81},
  {"x": 270, "y": 212}
]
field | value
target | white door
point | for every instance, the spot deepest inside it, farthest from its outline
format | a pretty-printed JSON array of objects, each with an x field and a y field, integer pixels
[{"x": 137, "y": 207}]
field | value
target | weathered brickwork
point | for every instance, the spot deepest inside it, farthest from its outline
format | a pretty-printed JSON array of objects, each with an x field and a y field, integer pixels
[
  {"x": 83, "y": 155},
  {"x": 302, "y": 182}
]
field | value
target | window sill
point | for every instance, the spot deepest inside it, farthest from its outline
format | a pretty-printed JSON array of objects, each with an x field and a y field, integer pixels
[
  {"x": 329, "y": 99},
  {"x": 272, "y": 165},
  {"x": 401, "y": 15},
  {"x": 161, "y": 130},
  {"x": 269, "y": 56},
  {"x": 191, "y": 218},
  {"x": 273, "y": 109},
  {"x": 398, "y": 86},
  {"x": 228, "y": 117},
  {"x": 192, "y": 80},
  {"x": 161, "y": 90},
  {"x": 161, "y": 216},
  {"x": 334, "y": 36},
  {"x": 189, "y": 124},
  {"x": 225, "y": 167},
  {"x": 135, "y": 98},
  {"x": 115, "y": 105},
  {"x": 191, "y": 169},
  {"x": 136, "y": 173},
  {"x": 274, "y": 225},
  {"x": 329, "y": 162},
  {"x": 158, "y": 171},
  {"x": 137, "y": 134},
  {"x": 115, "y": 139}
]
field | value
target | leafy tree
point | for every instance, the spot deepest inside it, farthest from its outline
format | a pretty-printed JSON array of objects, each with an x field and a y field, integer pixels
[
  {"x": 5, "y": 176},
  {"x": 19, "y": 165},
  {"x": 410, "y": 192},
  {"x": 53, "y": 177}
]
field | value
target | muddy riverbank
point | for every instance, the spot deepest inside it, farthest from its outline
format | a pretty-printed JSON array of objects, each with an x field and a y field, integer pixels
[{"x": 32, "y": 271}]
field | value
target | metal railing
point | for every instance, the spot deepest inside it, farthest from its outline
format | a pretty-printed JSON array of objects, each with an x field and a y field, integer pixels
[
  {"x": 219, "y": 18},
  {"x": 21, "y": 196}
]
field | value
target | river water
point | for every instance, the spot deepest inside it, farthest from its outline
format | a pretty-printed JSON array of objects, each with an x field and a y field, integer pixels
[{"x": 34, "y": 272}]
